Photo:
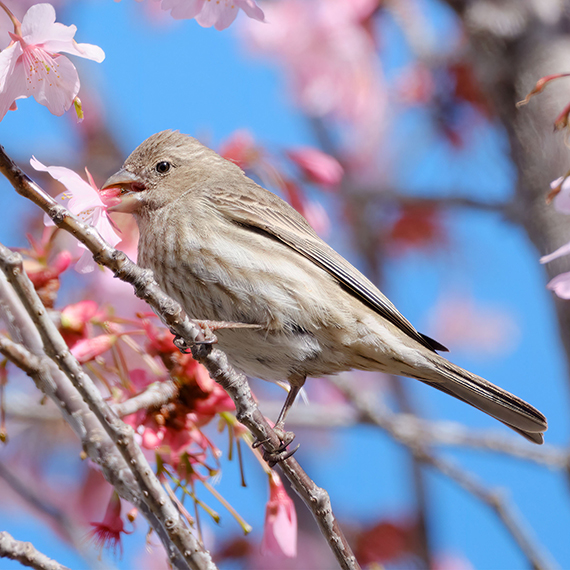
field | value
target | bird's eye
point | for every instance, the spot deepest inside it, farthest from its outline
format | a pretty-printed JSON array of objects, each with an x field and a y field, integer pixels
[{"x": 163, "y": 167}]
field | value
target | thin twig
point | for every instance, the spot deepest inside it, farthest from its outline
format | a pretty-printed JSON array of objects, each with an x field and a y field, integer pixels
[
  {"x": 156, "y": 395},
  {"x": 215, "y": 361},
  {"x": 434, "y": 433},
  {"x": 26, "y": 554}
]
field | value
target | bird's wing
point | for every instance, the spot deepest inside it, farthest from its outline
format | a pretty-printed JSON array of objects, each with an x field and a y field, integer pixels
[{"x": 261, "y": 211}]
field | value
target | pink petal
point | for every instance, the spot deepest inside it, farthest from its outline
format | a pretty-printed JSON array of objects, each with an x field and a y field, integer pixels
[
  {"x": 251, "y": 9},
  {"x": 562, "y": 199},
  {"x": 86, "y": 263},
  {"x": 87, "y": 349},
  {"x": 561, "y": 285},
  {"x": 80, "y": 194},
  {"x": 280, "y": 528},
  {"x": 76, "y": 315},
  {"x": 53, "y": 81},
  {"x": 140, "y": 379},
  {"x": 12, "y": 78},
  {"x": 183, "y": 9},
  {"x": 38, "y": 25},
  {"x": 318, "y": 166},
  {"x": 40, "y": 29},
  {"x": 101, "y": 223},
  {"x": 88, "y": 51},
  {"x": 219, "y": 15},
  {"x": 563, "y": 250}
]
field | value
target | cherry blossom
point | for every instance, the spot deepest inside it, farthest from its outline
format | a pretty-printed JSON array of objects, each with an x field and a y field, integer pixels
[
  {"x": 561, "y": 193},
  {"x": 32, "y": 64},
  {"x": 85, "y": 201},
  {"x": 207, "y": 13},
  {"x": 87, "y": 349},
  {"x": 108, "y": 532},
  {"x": 317, "y": 166},
  {"x": 330, "y": 59},
  {"x": 280, "y": 529}
]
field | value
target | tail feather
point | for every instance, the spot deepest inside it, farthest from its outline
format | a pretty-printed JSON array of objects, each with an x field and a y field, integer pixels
[{"x": 498, "y": 403}]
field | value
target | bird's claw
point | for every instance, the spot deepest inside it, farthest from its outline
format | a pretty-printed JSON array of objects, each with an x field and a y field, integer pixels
[
  {"x": 275, "y": 457},
  {"x": 280, "y": 453},
  {"x": 181, "y": 344}
]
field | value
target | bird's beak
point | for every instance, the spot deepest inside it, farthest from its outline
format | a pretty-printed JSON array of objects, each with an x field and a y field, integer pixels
[{"x": 130, "y": 185}]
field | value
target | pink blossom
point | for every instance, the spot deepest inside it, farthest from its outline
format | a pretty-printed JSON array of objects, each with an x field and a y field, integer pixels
[
  {"x": 562, "y": 198},
  {"x": 108, "y": 532},
  {"x": 89, "y": 348},
  {"x": 32, "y": 63},
  {"x": 74, "y": 317},
  {"x": 241, "y": 149},
  {"x": 86, "y": 202},
  {"x": 331, "y": 60},
  {"x": 560, "y": 285},
  {"x": 280, "y": 528},
  {"x": 317, "y": 166},
  {"x": 219, "y": 13}
]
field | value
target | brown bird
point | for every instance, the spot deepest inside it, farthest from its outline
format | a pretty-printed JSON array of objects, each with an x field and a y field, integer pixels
[{"x": 228, "y": 250}]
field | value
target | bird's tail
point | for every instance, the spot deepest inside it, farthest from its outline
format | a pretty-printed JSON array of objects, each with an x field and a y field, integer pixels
[{"x": 478, "y": 392}]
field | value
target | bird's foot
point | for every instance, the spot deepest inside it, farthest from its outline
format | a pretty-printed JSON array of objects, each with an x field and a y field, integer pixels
[
  {"x": 274, "y": 457},
  {"x": 181, "y": 344},
  {"x": 280, "y": 453}
]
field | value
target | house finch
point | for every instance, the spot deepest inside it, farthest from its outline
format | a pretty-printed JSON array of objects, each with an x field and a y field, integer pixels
[{"x": 228, "y": 250}]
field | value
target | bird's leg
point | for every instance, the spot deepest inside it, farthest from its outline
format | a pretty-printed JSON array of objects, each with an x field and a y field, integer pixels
[
  {"x": 208, "y": 328},
  {"x": 287, "y": 436}
]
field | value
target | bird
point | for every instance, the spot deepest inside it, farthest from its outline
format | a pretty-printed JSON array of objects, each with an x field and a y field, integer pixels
[{"x": 228, "y": 250}]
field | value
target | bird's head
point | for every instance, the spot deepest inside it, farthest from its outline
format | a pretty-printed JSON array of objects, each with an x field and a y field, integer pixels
[{"x": 163, "y": 168}]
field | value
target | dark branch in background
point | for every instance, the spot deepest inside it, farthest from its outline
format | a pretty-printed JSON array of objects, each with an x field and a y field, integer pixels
[
  {"x": 434, "y": 433},
  {"x": 496, "y": 500},
  {"x": 26, "y": 554},
  {"x": 215, "y": 361},
  {"x": 36, "y": 501}
]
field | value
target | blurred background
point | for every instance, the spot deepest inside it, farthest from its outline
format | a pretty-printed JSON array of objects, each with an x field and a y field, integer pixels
[{"x": 441, "y": 203}]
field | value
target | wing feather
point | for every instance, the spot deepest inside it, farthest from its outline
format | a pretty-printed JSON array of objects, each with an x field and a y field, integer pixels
[{"x": 262, "y": 211}]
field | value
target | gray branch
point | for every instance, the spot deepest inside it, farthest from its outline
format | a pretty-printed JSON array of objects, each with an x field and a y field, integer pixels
[
  {"x": 52, "y": 382},
  {"x": 153, "y": 494},
  {"x": 215, "y": 361},
  {"x": 26, "y": 554},
  {"x": 495, "y": 499}
]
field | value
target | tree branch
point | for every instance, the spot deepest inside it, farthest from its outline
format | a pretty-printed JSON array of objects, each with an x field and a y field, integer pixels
[
  {"x": 496, "y": 500},
  {"x": 95, "y": 442},
  {"x": 120, "y": 433},
  {"x": 26, "y": 554},
  {"x": 215, "y": 361},
  {"x": 156, "y": 395}
]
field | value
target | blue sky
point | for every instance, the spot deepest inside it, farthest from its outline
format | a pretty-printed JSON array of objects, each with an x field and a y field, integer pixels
[{"x": 202, "y": 82}]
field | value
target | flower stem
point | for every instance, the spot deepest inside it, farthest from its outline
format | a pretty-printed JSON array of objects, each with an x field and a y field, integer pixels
[{"x": 13, "y": 19}]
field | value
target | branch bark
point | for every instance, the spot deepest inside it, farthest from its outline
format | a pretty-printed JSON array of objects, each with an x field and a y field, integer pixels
[
  {"x": 26, "y": 554},
  {"x": 215, "y": 361}
]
